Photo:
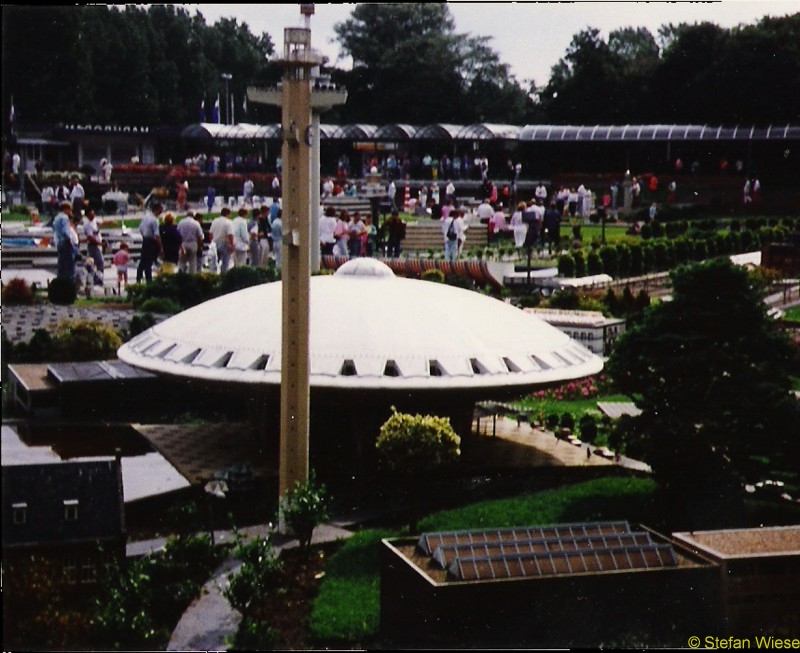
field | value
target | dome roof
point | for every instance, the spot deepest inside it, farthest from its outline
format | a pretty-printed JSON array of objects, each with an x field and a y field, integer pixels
[{"x": 368, "y": 329}]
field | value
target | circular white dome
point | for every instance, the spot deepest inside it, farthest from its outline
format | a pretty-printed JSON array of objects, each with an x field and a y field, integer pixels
[{"x": 368, "y": 329}]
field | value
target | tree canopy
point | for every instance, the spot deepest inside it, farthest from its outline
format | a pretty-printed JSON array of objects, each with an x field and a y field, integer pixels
[
  {"x": 155, "y": 64},
  {"x": 710, "y": 371},
  {"x": 134, "y": 65},
  {"x": 408, "y": 58}
]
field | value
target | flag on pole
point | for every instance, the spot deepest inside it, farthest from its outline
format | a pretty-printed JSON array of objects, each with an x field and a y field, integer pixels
[
  {"x": 215, "y": 111},
  {"x": 244, "y": 105},
  {"x": 11, "y": 116},
  {"x": 203, "y": 110}
]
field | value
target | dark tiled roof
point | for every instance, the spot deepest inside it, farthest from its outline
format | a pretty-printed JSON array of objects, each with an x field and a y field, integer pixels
[{"x": 45, "y": 490}]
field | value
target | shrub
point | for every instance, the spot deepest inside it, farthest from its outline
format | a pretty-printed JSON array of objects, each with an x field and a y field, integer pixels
[
  {"x": 140, "y": 322},
  {"x": 566, "y": 265},
  {"x": 435, "y": 275},
  {"x": 411, "y": 448},
  {"x": 17, "y": 293},
  {"x": 567, "y": 421},
  {"x": 681, "y": 250},
  {"x": 244, "y": 277},
  {"x": 304, "y": 507},
  {"x": 552, "y": 420},
  {"x": 609, "y": 255},
  {"x": 255, "y": 635},
  {"x": 185, "y": 289},
  {"x": 647, "y": 232},
  {"x": 636, "y": 259},
  {"x": 62, "y": 291},
  {"x": 587, "y": 426},
  {"x": 259, "y": 575},
  {"x": 84, "y": 340},
  {"x": 413, "y": 444},
  {"x": 580, "y": 263},
  {"x": 160, "y": 305},
  {"x": 623, "y": 259},
  {"x": 747, "y": 241},
  {"x": 700, "y": 252},
  {"x": 661, "y": 256},
  {"x": 566, "y": 299},
  {"x": 460, "y": 281},
  {"x": 594, "y": 264}
]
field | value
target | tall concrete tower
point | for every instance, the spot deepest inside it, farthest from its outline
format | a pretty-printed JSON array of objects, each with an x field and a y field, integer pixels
[
  {"x": 296, "y": 134},
  {"x": 298, "y": 96}
]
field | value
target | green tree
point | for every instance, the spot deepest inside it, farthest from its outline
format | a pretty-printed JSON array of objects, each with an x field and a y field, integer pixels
[
  {"x": 141, "y": 65},
  {"x": 714, "y": 392},
  {"x": 393, "y": 43},
  {"x": 411, "y": 449}
]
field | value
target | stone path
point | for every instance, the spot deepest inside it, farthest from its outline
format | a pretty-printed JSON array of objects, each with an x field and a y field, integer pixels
[{"x": 20, "y": 322}]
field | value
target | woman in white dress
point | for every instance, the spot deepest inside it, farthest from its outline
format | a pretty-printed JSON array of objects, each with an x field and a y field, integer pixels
[{"x": 518, "y": 226}]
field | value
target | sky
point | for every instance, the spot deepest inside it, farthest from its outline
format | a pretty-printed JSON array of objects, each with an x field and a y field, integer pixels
[{"x": 529, "y": 36}]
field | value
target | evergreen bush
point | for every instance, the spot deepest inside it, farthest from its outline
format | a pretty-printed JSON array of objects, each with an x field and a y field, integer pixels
[
  {"x": 609, "y": 256},
  {"x": 162, "y": 305},
  {"x": 566, "y": 265},
  {"x": 594, "y": 264},
  {"x": 580, "y": 263},
  {"x": 587, "y": 427},
  {"x": 62, "y": 291}
]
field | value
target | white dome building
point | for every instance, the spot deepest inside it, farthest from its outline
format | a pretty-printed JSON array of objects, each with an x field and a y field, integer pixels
[{"x": 376, "y": 341}]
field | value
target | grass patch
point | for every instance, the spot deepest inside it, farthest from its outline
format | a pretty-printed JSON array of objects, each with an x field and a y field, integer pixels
[
  {"x": 347, "y": 609},
  {"x": 577, "y": 407},
  {"x": 792, "y": 314},
  {"x": 15, "y": 216}
]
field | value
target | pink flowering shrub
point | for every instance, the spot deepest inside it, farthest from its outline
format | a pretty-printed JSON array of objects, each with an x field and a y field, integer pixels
[{"x": 582, "y": 389}]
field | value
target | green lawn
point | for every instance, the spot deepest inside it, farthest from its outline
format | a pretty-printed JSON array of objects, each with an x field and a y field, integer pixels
[
  {"x": 792, "y": 314},
  {"x": 347, "y": 609}
]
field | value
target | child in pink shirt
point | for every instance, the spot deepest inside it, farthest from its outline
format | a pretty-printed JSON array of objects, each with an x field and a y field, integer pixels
[{"x": 121, "y": 259}]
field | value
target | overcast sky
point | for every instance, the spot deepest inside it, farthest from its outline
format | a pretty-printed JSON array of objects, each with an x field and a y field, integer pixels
[{"x": 530, "y": 36}]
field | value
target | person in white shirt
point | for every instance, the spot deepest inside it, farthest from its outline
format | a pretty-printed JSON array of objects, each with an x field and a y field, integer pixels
[
  {"x": 519, "y": 227},
  {"x": 94, "y": 244},
  {"x": 247, "y": 191},
  {"x": 327, "y": 225},
  {"x": 453, "y": 232},
  {"x": 450, "y": 191},
  {"x": 191, "y": 243},
  {"x": 541, "y": 192},
  {"x": 49, "y": 204},
  {"x": 485, "y": 212},
  {"x": 76, "y": 196},
  {"x": 327, "y": 188},
  {"x": 241, "y": 238},
  {"x": 222, "y": 235}
]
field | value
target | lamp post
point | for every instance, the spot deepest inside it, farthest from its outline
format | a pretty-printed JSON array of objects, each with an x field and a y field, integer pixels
[{"x": 227, "y": 77}]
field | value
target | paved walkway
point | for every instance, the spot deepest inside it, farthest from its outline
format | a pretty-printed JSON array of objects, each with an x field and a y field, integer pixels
[
  {"x": 20, "y": 322},
  {"x": 210, "y": 622}
]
